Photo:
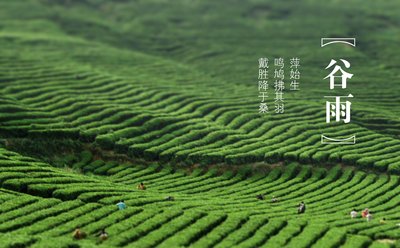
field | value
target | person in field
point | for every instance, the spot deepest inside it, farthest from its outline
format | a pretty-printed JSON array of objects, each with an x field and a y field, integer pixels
[
  {"x": 141, "y": 186},
  {"x": 170, "y": 198},
  {"x": 121, "y": 205},
  {"x": 369, "y": 217},
  {"x": 274, "y": 199},
  {"x": 260, "y": 197},
  {"x": 301, "y": 208},
  {"x": 103, "y": 235},
  {"x": 364, "y": 213},
  {"x": 353, "y": 214},
  {"x": 78, "y": 234}
]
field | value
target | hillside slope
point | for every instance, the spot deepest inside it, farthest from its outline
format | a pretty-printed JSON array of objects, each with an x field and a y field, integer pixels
[
  {"x": 144, "y": 80},
  {"x": 41, "y": 205}
]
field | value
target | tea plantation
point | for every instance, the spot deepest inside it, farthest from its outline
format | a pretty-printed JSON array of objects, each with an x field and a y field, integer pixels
[
  {"x": 98, "y": 96},
  {"x": 41, "y": 205}
]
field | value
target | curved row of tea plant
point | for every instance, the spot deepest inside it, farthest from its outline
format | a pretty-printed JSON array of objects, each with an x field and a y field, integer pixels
[
  {"x": 209, "y": 209},
  {"x": 102, "y": 76}
]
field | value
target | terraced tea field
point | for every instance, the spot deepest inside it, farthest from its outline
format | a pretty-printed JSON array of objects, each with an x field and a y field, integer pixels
[
  {"x": 97, "y": 96},
  {"x": 41, "y": 205}
]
